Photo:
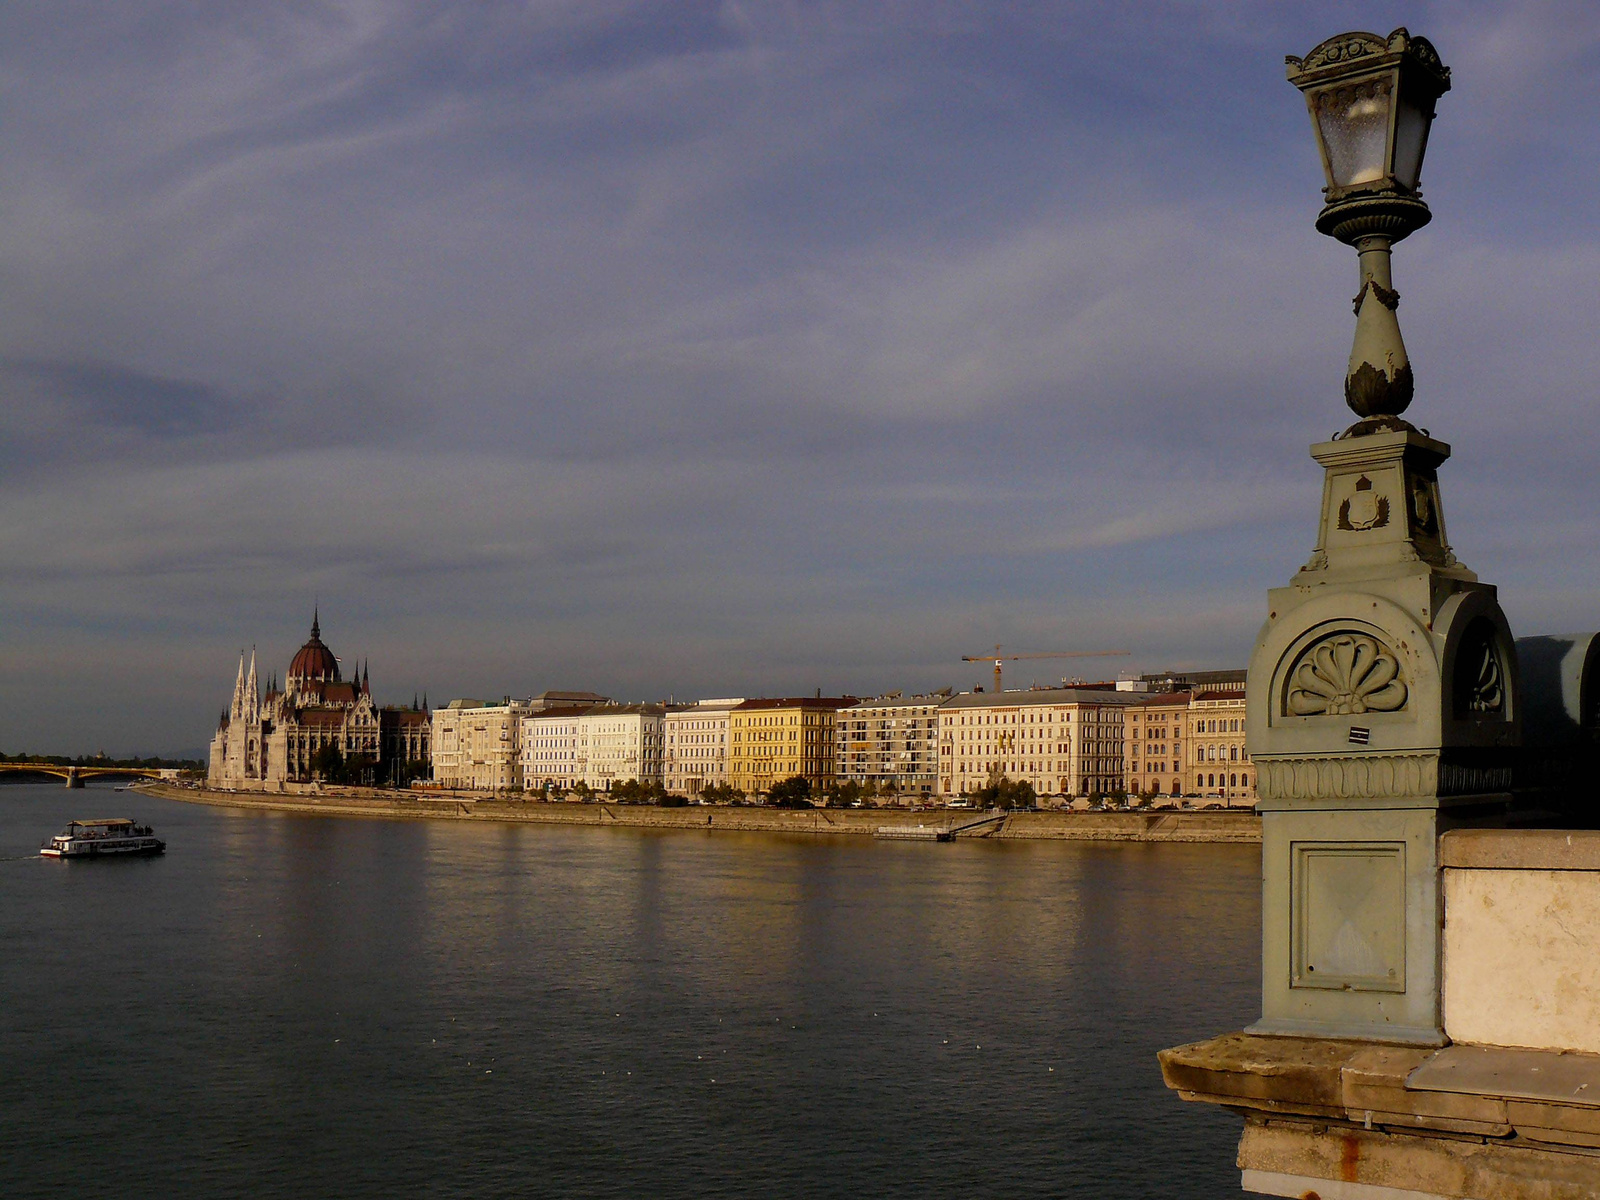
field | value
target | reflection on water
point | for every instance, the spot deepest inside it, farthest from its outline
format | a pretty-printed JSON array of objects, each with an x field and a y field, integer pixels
[{"x": 296, "y": 1007}]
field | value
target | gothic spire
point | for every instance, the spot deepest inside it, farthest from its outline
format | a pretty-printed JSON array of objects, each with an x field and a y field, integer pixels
[
  {"x": 252, "y": 690},
  {"x": 316, "y": 622},
  {"x": 237, "y": 708}
]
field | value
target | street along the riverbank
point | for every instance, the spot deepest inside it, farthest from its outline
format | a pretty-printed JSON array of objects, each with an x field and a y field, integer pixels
[{"x": 1179, "y": 826}]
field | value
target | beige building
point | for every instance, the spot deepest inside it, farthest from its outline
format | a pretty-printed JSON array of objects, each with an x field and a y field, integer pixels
[
  {"x": 1063, "y": 741},
  {"x": 771, "y": 740},
  {"x": 695, "y": 746},
  {"x": 891, "y": 741},
  {"x": 1189, "y": 744},
  {"x": 1154, "y": 735},
  {"x": 1219, "y": 766},
  {"x": 478, "y": 745}
]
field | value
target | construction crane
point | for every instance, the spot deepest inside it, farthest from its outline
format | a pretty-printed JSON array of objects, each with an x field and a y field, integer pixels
[{"x": 1000, "y": 658}]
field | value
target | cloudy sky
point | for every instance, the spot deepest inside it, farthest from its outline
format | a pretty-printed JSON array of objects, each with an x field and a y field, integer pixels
[{"x": 686, "y": 348}]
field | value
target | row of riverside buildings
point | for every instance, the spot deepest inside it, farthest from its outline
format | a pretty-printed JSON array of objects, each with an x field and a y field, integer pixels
[
  {"x": 1168, "y": 737},
  {"x": 1158, "y": 735}
]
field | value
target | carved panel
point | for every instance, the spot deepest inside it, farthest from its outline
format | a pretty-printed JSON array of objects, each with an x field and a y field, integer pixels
[
  {"x": 1349, "y": 916},
  {"x": 1364, "y": 508},
  {"x": 1345, "y": 674},
  {"x": 1374, "y": 776},
  {"x": 1347, "y": 47},
  {"x": 1472, "y": 779},
  {"x": 1424, "y": 509},
  {"x": 1480, "y": 675}
]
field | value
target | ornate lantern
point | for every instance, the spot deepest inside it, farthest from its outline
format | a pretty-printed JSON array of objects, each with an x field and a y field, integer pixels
[{"x": 1371, "y": 100}]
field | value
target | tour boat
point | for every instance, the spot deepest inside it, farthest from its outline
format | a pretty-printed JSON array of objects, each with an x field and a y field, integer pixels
[{"x": 111, "y": 835}]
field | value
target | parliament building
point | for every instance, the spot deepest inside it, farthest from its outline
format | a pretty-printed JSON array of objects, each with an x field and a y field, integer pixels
[{"x": 268, "y": 742}]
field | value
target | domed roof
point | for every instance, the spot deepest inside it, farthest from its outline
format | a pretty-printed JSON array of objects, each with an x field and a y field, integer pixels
[{"x": 314, "y": 662}]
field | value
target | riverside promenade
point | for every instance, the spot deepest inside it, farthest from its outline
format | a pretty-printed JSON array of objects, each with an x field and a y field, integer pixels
[{"x": 1211, "y": 826}]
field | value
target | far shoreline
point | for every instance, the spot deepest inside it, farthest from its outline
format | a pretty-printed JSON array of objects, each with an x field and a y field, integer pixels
[{"x": 1239, "y": 826}]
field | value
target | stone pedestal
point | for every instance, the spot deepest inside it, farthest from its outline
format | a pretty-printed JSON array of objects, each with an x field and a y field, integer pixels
[{"x": 1382, "y": 706}]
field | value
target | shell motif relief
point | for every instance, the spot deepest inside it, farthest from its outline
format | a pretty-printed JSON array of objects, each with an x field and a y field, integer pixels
[{"x": 1346, "y": 674}]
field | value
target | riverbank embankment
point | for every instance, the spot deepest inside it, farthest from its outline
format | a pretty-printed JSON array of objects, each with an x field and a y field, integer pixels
[{"x": 1180, "y": 826}]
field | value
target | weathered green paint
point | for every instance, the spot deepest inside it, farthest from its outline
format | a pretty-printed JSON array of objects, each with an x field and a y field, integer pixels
[{"x": 1373, "y": 730}]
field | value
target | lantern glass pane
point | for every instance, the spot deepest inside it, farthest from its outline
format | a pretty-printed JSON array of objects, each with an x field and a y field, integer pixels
[
  {"x": 1354, "y": 122},
  {"x": 1410, "y": 140}
]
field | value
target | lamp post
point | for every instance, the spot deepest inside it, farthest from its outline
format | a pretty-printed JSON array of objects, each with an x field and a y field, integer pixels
[
  {"x": 1365, "y": 743},
  {"x": 1371, "y": 100}
]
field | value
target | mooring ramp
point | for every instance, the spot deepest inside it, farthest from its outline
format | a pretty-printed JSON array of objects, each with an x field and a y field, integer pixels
[
  {"x": 988, "y": 822},
  {"x": 995, "y": 819}
]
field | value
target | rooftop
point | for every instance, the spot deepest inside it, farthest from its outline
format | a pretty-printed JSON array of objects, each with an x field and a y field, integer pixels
[
  {"x": 831, "y": 702},
  {"x": 1043, "y": 696},
  {"x": 1163, "y": 699}
]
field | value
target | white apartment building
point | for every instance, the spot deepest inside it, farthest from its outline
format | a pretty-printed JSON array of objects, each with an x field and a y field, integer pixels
[
  {"x": 481, "y": 744},
  {"x": 621, "y": 742},
  {"x": 595, "y": 745},
  {"x": 695, "y": 746},
  {"x": 1064, "y": 741},
  {"x": 891, "y": 740},
  {"x": 553, "y": 747}
]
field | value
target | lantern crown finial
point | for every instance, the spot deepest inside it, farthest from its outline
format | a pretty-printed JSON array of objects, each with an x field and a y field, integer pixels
[{"x": 1354, "y": 52}]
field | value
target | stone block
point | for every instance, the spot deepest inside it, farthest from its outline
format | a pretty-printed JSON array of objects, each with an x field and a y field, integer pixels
[
  {"x": 1522, "y": 957},
  {"x": 1237, "y": 1068},
  {"x": 1302, "y": 1159},
  {"x": 1375, "y": 1093}
]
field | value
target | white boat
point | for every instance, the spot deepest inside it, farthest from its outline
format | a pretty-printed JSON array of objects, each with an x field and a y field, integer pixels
[{"x": 110, "y": 835}]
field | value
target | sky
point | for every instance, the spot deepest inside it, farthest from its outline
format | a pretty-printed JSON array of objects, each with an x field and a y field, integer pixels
[{"x": 687, "y": 349}]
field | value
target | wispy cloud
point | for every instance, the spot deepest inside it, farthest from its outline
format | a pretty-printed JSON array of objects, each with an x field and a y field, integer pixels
[{"x": 729, "y": 346}]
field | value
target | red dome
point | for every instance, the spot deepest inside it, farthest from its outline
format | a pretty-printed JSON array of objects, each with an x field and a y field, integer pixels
[{"x": 314, "y": 662}]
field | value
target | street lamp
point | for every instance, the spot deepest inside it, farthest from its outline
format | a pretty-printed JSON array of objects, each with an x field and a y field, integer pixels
[{"x": 1371, "y": 100}]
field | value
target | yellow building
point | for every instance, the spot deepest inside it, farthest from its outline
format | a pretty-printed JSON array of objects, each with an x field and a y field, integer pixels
[
  {"x": 770, "y": 740},
  {"x": 1190, "y": 744},
  {"x": 1154, "y": 735},
  {"x": 1219, "y": 766}
]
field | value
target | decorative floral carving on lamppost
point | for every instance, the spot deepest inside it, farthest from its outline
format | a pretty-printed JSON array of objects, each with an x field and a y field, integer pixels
[
  {"x": 1371, "y": 100},
  {"x": 1348, "y": 673}
]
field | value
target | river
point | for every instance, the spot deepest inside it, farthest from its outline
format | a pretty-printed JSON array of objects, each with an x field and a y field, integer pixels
[{"x": 299, "y": 1006}]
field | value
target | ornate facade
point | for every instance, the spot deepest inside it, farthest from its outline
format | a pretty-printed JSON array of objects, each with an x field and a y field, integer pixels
[
  {"x": 265, "y": 741},
  {"x": 1064, "y": 741}
]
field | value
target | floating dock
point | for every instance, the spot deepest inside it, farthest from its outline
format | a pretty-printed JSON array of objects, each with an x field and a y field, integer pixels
[{"x": 914, "y": 833}]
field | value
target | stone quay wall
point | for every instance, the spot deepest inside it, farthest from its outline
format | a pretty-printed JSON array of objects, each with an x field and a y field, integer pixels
[{"x": 1214, "y": 826}]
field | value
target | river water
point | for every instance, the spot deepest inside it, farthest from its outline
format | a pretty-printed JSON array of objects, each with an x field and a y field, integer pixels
[{"x": 288, "y": 1006}]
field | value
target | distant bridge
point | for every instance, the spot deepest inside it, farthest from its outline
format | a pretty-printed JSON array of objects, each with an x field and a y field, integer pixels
[{"x": 76, "y": 775}]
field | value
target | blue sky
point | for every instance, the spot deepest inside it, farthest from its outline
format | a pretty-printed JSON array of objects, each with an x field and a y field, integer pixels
[{"x": 707, "y": 349}]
